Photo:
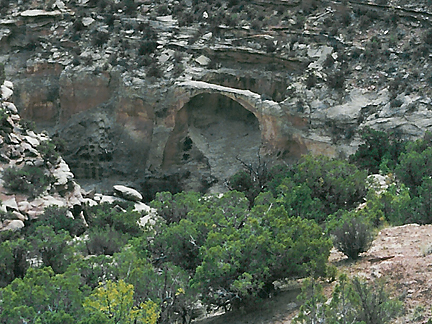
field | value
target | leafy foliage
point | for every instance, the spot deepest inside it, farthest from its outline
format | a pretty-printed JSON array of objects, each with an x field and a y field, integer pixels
[
  {"x": 175, "y": 208},
  {"x": 234, "y": 255},
  {"x": 106, "y": 214},
  {"x": 113, "y": 302},
  {"x": 324, "y": 185},
  {"x": 28, "y": 179},
  {"x": 40, "y": 295},
  {"x": 57, "y": 218},
  {"x": 373, "y": 303},
  {"x": 106, "y": 241},
  {"x": 353, "y": 235},
  {"x": 379, "y": 152},
  {"x": 353, "y": 301},
  {"x": 226, "y": 250},
  {"x": 49, "y": 152},
  {"x": 416, "y": 163},
  {"x": 53, "y": 248},
  {"x": 13, "y": 260}
]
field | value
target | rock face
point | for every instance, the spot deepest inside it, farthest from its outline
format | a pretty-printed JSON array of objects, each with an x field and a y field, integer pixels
[
  {"x": 21, "y": 148},
  {"x": 166, "y": 98}
]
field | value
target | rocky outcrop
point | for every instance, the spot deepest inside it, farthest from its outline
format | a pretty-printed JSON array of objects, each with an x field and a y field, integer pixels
[
  {"x": 165, "y": 96},
  {"x": 47, "y": 180}
]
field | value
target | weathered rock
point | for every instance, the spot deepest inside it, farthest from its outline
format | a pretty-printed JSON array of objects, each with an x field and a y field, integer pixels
[
  {"x": 102, "y": 199},
  {"x": 19, "y": 216},
  {"x": 9, "y": 106},
  {"x": 127, "y": 193},
  {"x": 6, "y": 93},
  {"x": 203, "y": 60},
  {"x": 13, "y": 225},
  {"x": 33, "y": 141},
  {"x": 157, "y": 132},
  {"x": 62, "y": 173},
  {"x": 8, "y": 84},
  {"x": 40, "y": 13},
  {"x": 10, "y": 204},
  {"x": 143, "y": 208}
]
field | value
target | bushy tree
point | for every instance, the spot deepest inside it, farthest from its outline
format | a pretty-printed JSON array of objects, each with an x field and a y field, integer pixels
[
  {"x": 234, "y": 254},
  {"x": 13, "y": 260},
  {"x": 379, "y": 151},
  {"x": 113, "y": 302},
  {"x": 41, "y": 295},
  {"x": 29, "y": 180},
  {"x": 326, "y": 184},
  {"x": 105, "y": 241},
  {"x": 298, "y": 201},
  {"x": 173, "y": 208},
  {"x": 414, "y": 167},
  {"x": 57, "y": 218},
  {"x": 54, "y": 249},
  {"x": 167, "y": 285},
  {"x": 123, "y": 221}
]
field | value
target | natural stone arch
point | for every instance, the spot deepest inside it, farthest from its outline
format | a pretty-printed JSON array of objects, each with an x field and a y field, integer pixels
[
  {"x": 268, "y": 113},
  {"x": 211, "y": 130}
]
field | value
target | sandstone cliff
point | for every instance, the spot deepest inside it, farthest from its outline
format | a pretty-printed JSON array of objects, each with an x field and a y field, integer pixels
[{"x": 167, "y": 95}]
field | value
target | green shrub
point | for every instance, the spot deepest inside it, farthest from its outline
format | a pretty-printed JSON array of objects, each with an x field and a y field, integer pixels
[
  {"x": 311, "y": 81},
  {"x": 56, "y": 218},
  {"x": 48, "y": 151},
  {"x": 175, "y": 208},
  {"x": 378, "y": 147},
  {"x": 105, "y": 241},
  {"x": 352, "y": 301},
  {"x": 100, "y": 38},
  {"x": 125, "y": 222},
  {"x": 416, "y": 164},
  {"x": 154, "y": 71},
  {"x": 54, "y": 249},
  {"x": 352, "y": 236},
  {"x": 29, "y": 180},
  {"x": 147, "y": 46},
  {"x": 226, "y": 247},
  {"x": 374, "y": 304},
  {"x": 13, "y": 260},
  {"x": 336, "y": 183}
]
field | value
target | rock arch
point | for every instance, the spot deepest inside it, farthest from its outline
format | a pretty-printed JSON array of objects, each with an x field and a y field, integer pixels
[
  {"x": 268, "y": 113},
  {"x": 211, "y": 131},
  {"x": 279, "y": 132}
]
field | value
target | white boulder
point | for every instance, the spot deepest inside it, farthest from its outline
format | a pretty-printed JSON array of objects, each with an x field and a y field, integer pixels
[
  {"x": 13, "y": 225},
  {"x": 127, "y": 193}
]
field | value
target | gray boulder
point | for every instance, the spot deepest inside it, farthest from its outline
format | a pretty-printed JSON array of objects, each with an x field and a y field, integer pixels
[
  {"x": 127, "y": 193},
  {"x": 13, "y": 225}
]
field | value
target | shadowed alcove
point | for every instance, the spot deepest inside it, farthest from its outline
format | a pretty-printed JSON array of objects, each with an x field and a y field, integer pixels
[{"x": 211, "y": 131}]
